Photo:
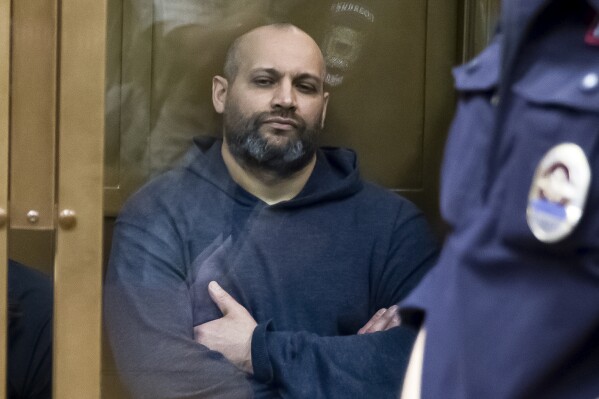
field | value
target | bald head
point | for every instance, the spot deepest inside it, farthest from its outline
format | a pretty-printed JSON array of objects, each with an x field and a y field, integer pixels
[
  {"x": 246, "y": 43},
  {"x": 273, "y": 101}
]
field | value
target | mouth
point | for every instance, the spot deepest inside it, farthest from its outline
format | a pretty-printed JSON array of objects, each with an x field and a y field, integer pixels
[{"x": 281, "y": 123}]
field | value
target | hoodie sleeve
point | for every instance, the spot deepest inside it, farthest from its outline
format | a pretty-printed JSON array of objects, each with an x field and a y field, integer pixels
[
  {"x": 305, "y": 365},
  {"x": 148, "y": 319}
]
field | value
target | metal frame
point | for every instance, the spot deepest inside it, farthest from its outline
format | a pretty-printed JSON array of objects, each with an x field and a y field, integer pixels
[
  {"x": 33, "y": 62},
  {"x": 439, "y": 100},
  {"x": 134, "y": 69},
  {"x": 479, "y": 22},
  {"x": 5, "y": 12},
  {"x": 78, "y": 258}
]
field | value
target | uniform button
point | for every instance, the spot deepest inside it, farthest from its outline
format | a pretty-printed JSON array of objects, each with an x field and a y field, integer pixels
[
  {"x": 472, "y": 65},
  {"x": 495, "y": 99},
  {"x": 589, "y": 82}
]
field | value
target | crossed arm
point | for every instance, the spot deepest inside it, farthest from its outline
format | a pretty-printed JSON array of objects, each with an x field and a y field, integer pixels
[
  {"x": 231, "y": 335},
  {"x": 150, "y": 323}
]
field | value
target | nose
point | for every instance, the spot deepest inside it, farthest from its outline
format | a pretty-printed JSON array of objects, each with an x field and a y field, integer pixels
[{"x": 284, "y": 96}]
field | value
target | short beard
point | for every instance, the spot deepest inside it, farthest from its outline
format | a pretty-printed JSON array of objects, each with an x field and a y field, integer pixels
[{"x": 253, "y": 150}]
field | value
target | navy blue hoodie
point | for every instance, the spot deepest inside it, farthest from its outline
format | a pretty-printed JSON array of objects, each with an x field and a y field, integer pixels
[{"x": 311, "y": 271}]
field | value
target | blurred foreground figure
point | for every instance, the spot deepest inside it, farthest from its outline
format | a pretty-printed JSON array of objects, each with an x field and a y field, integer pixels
[{"x": 512, "y": 309}]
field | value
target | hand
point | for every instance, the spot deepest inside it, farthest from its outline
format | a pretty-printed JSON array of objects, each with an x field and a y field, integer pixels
[
  {"x": 230, "y": 335},
  {"x": 382, "y": 320}
]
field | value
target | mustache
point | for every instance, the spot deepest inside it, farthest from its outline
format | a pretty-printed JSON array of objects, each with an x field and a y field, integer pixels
[{"x": 262, "y": 117}]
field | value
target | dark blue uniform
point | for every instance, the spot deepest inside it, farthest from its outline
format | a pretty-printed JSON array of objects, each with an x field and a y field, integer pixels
[{"x": 510, "y": 313}]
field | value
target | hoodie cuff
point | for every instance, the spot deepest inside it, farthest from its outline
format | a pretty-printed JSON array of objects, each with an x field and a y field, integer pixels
[{"x": 263, "y": 371}]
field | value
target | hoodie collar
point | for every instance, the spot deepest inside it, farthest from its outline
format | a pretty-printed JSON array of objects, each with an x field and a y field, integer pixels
[{"x": 335, "y": 174}]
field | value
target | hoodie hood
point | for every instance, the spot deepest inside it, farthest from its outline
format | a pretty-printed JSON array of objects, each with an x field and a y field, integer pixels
[{"x": 335, "y": 174}]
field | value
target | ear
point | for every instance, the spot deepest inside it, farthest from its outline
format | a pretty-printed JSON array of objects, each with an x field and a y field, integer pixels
[
  {"x": 219, "y": 93},
  {"x": 324, "y": 109}
]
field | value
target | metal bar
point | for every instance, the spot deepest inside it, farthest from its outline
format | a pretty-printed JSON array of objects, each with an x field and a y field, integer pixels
[
  {"x": 441, "y": 48},
  {"x": 78, "y": 265},
  {"x": 479, "y": 22},
  {"x": 33, "y": 114},
  {"x": 4, "y": 136}
]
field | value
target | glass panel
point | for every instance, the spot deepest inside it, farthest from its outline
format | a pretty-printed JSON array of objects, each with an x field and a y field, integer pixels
[{"x": 162, "y": 55}]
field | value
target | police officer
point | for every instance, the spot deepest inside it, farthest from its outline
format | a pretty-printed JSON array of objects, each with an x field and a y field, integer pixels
[{"x": 512, "y": 308}]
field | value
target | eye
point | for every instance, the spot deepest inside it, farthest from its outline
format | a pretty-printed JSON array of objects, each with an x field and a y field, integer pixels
[
  {"x": 263, "y": 81},
  {"x": 307, "y": 88}
]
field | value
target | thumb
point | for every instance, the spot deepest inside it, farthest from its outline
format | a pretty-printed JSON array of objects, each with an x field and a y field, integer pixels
[{"x": 221, "y": 298}]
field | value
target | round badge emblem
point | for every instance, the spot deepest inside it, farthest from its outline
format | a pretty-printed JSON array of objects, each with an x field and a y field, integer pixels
[{"x": 558, "y": 193}]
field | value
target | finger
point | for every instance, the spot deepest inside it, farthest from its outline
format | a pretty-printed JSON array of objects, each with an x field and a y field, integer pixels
[
  {"x": 380, "y": 323},
  {"x": 395, "y": 320},
  {"x": 221, "y": 298},
  {"x": 386, "y": 320},
  {"x": 372, "y": 320},
  {"x": 391, "y": 317}
]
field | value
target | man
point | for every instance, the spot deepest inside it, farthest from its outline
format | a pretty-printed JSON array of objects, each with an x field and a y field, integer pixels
[
  {"x": 518, "y": 312},
  {"x": 263, "y": 266}
]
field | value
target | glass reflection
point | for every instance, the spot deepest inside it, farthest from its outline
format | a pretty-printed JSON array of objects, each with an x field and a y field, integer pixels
[
  {"x": 165, "y": 53},
  {"x": 168, "y": 52},
  {"x": 345, "y": 39}
]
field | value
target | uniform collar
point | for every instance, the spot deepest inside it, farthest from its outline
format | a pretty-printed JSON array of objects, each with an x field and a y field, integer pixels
[{"x": 516, "y": 17}]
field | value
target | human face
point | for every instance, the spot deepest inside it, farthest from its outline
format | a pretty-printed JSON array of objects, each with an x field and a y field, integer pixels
[
  {"x": 274, "y": 107},
  {"x": 280, "y": 155}
]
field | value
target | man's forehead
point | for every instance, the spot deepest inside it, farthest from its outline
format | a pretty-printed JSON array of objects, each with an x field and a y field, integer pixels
[
  {"x": 280, "y": 49},
  {"x": 275, "y": 33}
]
